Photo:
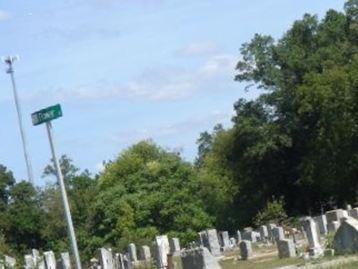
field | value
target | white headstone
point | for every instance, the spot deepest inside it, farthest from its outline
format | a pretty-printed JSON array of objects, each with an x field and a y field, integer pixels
[
  {"x": 50, "y": 260},
  {"x": 144, "y": 253},
  {"x": 224, "y": 240},
  {"x": 65, "y": 260},
  {"x": 174, "y": 245},
  {"x": 312, "y": 237},
  {"x": 106, "y": 258},
  {"x": 132, "y": 251},
  {"x": 162, "y": 251}
]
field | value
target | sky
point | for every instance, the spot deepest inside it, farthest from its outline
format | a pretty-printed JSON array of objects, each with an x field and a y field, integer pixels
[{"x": 128, "y": 70}]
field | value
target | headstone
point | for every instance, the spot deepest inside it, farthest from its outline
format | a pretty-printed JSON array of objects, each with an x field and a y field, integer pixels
[
  {"x": 333, "y": 226},
  {"x": 10, "y": 262},
  {"x": 321, "y": 223},
  {"x": 249, "y": 236},
  {"x": 106, "y": 258},
  {"x": 334, "y": 215},
  {"x": 29, "y": 262},
  {"x": 224, "y": 240},
  {"x": 50, "y": 260},
  {"x": 144, "y": 253},
  {"x": 248, "y": 229},
  {"x": 233, "y": 242},
  {"x": 312, "y": 237},
  {"x": 264, "y": 232},
  {"x": 328, "y": 252},
  {"x": 198, "y": 258},
  {"x": 354, "y": 213},
  {"x": 239, "y": 236},
  {"x": 119, "y": 257},
  {"x": 132, "y": 252},
  {"x": 201, "y": 238},
  {"x": 278, "y": 233},
  {"x": 270, "y": 227},
  {"x": 162, "y": 250},
  {"x": 211, "y": 242},
  {"x": 65, "y": 260},
  {"x": 348, "y": 208},
  {"x": 286, "y": 248},
  {"x": 346, "y": 239},
  {"x": 174, "y": 245},
  {"x": 245, "y": 249}
]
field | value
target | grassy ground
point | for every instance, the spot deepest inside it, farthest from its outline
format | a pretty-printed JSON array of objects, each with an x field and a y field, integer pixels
[
  {"x": 351, "y": 265},
  {"x": 262, "y": 263}
]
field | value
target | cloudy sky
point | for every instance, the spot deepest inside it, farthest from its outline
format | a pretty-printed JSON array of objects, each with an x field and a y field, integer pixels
[{"x": 126, "y": 70}]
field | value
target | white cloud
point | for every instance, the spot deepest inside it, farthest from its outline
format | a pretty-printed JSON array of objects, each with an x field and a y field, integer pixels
[
  {"x": 4, "y": 15},
  {"x": 171, "y": 130},
  {"x": 167, "y": 83},
  {"x": 197, "y": 49}
]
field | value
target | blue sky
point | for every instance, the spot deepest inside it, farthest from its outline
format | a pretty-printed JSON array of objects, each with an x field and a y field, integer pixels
[{"x": 126, "y": 70}]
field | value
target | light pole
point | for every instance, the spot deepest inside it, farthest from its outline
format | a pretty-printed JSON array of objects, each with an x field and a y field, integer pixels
[
  {"x": 9, "y": 60},
  {"x": 46, "y": 116}
]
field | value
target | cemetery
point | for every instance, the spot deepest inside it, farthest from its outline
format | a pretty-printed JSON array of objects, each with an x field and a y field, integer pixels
[
  {"x": 311, "y": 245},
  {"x": 274, "y": 175}
]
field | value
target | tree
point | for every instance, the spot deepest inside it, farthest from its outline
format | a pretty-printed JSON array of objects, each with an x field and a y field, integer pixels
[
  {"x": 147, "y": 191},
  {"x": 299, "y": 139},
  {"x": 24, "y": 218},
  {"x": 68, "y": 169}
]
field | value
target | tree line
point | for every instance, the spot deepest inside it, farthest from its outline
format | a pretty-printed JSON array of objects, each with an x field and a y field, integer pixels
[{"x": 291, "y": 151}]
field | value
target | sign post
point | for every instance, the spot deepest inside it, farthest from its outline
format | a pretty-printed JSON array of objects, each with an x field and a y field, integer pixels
[{"x": 46, "y": 116}]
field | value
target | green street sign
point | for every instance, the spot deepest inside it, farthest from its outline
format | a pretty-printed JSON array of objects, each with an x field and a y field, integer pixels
[{"x": 46, "y": 114}]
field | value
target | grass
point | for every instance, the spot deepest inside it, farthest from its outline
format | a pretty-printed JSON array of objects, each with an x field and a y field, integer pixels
[
  {"x": 350, "y": 265},
  {"x": 263, "y": 263}
]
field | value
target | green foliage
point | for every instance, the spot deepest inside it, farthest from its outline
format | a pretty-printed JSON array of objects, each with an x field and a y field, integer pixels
[
  {"x": 299, "y": 138},
  {"x": 147, "y": 191},
  {"x": 274, "y": 212}
]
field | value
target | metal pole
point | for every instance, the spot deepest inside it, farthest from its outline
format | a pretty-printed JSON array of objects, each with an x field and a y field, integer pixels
[
  {"x": 66, "y": 206},
  {"x": 9, "y": 60}
]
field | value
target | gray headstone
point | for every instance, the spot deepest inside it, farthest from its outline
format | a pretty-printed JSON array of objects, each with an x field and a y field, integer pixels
[
  {"x": 270, "y": 227},
  {"x": 286, "y": 248},
  {"x": 65, "y": 260},
  {"x": 348, "y": 208},
  {"x": 333, "y": 226},
  {"x": 245, "y": 249},
  {"x": 312, "y": 237},
  {"x": 354, "y": 213},
  {"x": 321, "y": 222},
  {"x": 346, "y": 239},
  {"x": 249, "y": 236},
  {"x": 174, "y": 245},
  {"x": 211, "y": 241},
  {"x": 144, "y": 253},
  {"x": 106, "y": 258},
  {"x": 199, "y": 258},
  {"x": 278, "y": 233},
  {"x": 132, "y": 252},
  {"x": 162, "y": 249},
  {"x": 224, "y": 240}
]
